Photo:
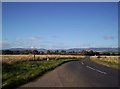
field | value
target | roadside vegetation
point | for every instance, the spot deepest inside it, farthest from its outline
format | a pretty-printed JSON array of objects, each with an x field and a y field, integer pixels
[
  {"x": 110, "y": 61},
  {"x": 20, "y": 72}
]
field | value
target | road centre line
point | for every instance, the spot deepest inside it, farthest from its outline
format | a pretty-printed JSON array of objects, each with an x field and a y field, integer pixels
[
  {"x": 82, "y": 63},
  {"x": 101, "y": 71},
  {"x": 90, "y": 67},
  {"x": 96, "y": 70}
]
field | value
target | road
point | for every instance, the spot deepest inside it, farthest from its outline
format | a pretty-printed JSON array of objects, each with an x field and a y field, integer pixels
[{"x": 83, "y": 73}]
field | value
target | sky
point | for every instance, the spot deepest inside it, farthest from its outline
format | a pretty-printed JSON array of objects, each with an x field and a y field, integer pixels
[{"x": 59, "y": 25}]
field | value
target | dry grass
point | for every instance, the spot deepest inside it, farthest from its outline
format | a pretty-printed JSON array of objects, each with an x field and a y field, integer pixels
[
  {"x": 15, "y": 58},
  {"x": 111, "y": 61}
]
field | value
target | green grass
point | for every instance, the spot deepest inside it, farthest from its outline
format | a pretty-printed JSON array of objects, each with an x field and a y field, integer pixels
[{"x": 19, "y": 73}]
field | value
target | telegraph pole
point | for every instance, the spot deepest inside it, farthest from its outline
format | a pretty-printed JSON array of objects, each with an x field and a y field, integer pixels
[{"x": 33, "y": 54}]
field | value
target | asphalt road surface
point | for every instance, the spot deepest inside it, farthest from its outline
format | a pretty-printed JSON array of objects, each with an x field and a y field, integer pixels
[{"x": 83, "y": 73}]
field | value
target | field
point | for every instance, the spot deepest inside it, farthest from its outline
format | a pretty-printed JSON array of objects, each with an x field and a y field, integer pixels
[
  {"x": 15, "y": 58},
  {"x": 19, "y": 69},
  {"x": 110, "y": 61}
]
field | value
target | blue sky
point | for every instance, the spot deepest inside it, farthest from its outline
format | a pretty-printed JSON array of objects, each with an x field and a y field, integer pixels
[{"x": 60, "y": 25}]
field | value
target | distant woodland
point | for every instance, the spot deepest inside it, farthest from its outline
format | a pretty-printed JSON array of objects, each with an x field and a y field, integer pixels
[{"x": 59, "y": 52}]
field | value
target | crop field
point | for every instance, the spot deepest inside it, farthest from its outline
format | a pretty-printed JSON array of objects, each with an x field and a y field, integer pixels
[
  {"x": 110, "y": 61},
  {"x": 15, "y": 58}
]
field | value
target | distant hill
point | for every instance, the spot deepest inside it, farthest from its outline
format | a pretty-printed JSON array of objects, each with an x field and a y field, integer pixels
[
  {"x": 71, "y": 49},
  {"x": 95, "y": 49},
  {"x": 41, "y": 49}
]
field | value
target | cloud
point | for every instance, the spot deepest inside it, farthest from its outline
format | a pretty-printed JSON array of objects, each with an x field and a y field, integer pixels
[
  {"x": 107, "y": 46},
  {"x": 36, "y": 38},
  {"x": 86, "y": 45},
  {"x": 30, "y": 42},
  {"x": 108, "y": 37},
  {"x": 5, "y": 44},
  {"x": 58, "y": 45}
]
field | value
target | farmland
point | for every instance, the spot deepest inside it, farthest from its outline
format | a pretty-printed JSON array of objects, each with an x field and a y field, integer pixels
[
  {"x": 15, "y": 58},
  {"x": 20, "y": 69},
  {"x": 110, "y": 61}
]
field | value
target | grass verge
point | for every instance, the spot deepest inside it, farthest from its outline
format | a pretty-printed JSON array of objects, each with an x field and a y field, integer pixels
[
  {"x": 18, "y": 73},
  {"x": 107, "y": 61}
]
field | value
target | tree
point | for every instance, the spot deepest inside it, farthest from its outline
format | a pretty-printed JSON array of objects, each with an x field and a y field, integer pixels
[
  {"x": 41, "y": 52},
  {"x": 48, "y": 51},
  {"x": 7, "y": 52},
  {"x": 63, "y": 52},
  {"x": 56, "y": 51},
  {"x": 36, "y": 52},
  {"x": 97, "y": 53},
  {"x": 91, "y": 53},
  {"x": 106, "y": 53},
  {"x": 84, "y": 52}
]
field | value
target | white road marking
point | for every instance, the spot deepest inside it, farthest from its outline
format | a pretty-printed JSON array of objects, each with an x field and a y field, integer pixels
[
  {"x": 82, "y": 63},
  {"x": 90, "y": 67},
  {"x": 101, "y": 71},
  {"x": 96, "y": 70}
]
